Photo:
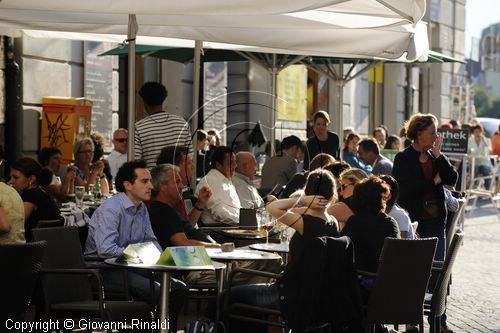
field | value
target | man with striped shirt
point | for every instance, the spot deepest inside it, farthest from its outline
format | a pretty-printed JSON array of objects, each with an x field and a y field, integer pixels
[{"x": 159, "y": 128}]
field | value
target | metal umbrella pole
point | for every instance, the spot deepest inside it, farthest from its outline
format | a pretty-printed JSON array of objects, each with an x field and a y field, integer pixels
[
  {"x": 274, "y": 103},
  {"x": 196, "y": 99},
  {"x": 132, "y": 32}
]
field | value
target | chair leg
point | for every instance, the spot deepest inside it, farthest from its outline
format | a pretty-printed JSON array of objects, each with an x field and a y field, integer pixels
[
  {"x": 421, "y": 326},
  {"x": 437, "y": 324},
  {"x": 495, "y": 205}
]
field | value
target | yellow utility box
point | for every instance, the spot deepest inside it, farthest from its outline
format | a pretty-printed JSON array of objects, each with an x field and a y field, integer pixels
[{"x": 64, "y": 121}]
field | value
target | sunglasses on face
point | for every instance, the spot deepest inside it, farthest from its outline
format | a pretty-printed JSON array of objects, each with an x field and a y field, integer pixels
[
  {"x": 121, "y": 140},
  {"x": 344, "y": 186}
]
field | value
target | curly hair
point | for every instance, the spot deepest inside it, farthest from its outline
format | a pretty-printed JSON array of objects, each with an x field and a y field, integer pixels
[
  {"x": 417, "y": 123},
  {"x": 370, "y": 196}
]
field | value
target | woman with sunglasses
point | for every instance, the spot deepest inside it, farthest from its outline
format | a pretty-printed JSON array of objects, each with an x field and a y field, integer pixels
[
  {"x": 309, "y": 222},
  {"x": 341, "y": 210},
  {"x": 87, "y": 172}
]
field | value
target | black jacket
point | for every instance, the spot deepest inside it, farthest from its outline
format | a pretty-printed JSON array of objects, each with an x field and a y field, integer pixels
[
  {"x": 412, "y": 183},
  {"x": 323, "y": 287}
]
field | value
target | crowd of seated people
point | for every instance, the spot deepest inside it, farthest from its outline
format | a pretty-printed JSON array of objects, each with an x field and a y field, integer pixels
[{"x": 355, "y": 195}]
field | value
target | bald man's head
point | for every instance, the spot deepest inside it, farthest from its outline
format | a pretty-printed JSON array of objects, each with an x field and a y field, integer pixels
[{"x": 245, "y": 163}]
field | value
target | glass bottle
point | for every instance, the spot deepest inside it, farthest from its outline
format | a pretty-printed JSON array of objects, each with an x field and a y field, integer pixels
[{"x": 97, "y": 189}]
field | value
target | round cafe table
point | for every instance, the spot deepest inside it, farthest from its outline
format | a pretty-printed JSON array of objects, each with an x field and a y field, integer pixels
[
  {"x": 165, "y": 271},
  {"x": 281, "y": 248},
  {"x": 271, "y": 247},
  {"x": 239, "y": 254}
]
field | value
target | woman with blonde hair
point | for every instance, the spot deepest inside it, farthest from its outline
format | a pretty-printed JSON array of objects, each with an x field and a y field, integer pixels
[
  {"x": 88, "y": 173},
  {"x": 421, "y": 171},
  {"x": 341, "y": 210}
]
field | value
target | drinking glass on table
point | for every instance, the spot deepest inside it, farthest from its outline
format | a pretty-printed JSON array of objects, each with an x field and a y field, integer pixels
[
  {"x": 79, "y": 195},
  {"x": 266, "y": 224}
]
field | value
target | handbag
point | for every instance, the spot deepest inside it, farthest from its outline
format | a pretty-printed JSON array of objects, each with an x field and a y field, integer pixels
[{"x": 431, "y": 208}]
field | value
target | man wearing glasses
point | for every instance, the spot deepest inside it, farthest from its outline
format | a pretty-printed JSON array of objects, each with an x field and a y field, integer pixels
[{"x": 119, "y": 154}]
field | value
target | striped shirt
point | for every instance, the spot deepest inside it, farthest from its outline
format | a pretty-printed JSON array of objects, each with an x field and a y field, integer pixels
[{"x": 157, "y": 131}]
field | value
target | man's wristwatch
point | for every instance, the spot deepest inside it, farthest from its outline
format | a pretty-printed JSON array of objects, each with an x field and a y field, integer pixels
[{"x": 198, "y": 208}]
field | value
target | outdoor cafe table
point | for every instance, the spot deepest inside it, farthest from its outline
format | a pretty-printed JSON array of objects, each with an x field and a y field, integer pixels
[
  {"x": 239, "y": 254},
  {"x": 165, "y": 271},
  {"x": 281, "y": 248},
  {"x": 241, "y": 237},
  {"x": 271, "y": 247}
]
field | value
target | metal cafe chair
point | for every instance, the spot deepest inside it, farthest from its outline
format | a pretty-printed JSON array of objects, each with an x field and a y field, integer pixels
[
  {"x": 435, "y": 302},
  {"x": 398, "y": 292},
  {"x": 63, "y": 268},
  {"x": 20, "y": 264}
]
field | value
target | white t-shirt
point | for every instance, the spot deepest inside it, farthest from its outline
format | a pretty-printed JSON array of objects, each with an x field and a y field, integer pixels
[{"x": 403, "y": 220}]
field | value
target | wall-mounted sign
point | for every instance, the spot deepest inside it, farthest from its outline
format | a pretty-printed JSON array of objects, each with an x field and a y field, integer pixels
[{"x": 454, "y": 140}]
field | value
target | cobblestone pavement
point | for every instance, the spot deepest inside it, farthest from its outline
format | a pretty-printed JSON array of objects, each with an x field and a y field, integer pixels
[{"x": 474, "y": 303}]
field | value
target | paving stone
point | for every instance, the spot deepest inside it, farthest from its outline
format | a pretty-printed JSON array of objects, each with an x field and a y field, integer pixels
[{"x": 474, "y": 302}]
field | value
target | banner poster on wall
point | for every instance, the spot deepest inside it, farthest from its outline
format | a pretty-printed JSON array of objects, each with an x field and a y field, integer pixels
[{"x": 292, "y": 92}]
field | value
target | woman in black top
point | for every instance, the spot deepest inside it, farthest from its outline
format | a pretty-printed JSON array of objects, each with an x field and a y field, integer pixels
[
  {"x": 38, "y": 204},
  {"x": 370, "y": 225},
  {"x": 421, "y": 171},
  {"x": 309, "y": 223}
]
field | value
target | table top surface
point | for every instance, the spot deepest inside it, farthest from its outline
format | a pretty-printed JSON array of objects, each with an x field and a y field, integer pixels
[
  {"x": 241, "y": 254},
  {"x": 271, "y": 247},
  {"x": 165, "y": 268}
]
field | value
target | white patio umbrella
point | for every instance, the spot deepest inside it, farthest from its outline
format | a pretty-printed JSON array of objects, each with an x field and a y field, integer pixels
[{"x": 386, "y": 29}]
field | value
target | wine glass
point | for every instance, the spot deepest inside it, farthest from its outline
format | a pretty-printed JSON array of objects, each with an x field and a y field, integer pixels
[
  {"x": 267, "y": 223},
  {"x": 79, "y": 195}
]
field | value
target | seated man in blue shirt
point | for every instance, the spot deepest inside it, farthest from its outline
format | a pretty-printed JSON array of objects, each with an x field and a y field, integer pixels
[{"x": 123, "y": 220}]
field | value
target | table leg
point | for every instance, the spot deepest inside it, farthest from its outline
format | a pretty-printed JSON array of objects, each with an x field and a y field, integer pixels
[
  {"x": 219, "y": 279},
  {"x": 164, "y": 301}
]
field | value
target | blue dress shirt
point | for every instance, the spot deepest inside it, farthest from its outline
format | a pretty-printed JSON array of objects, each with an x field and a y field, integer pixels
[{"x": 116, "y": 224}]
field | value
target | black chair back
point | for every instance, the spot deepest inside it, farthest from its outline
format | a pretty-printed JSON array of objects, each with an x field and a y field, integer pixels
[
  {"x": 63, "y": 252},
  {"x": 20, "y": 266},
  {"x": 50, "y": 223},
  {"x": 438, "y": 301},
  {"x": 452, "y": 221},
  {"x": 402, "y": 263}
]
